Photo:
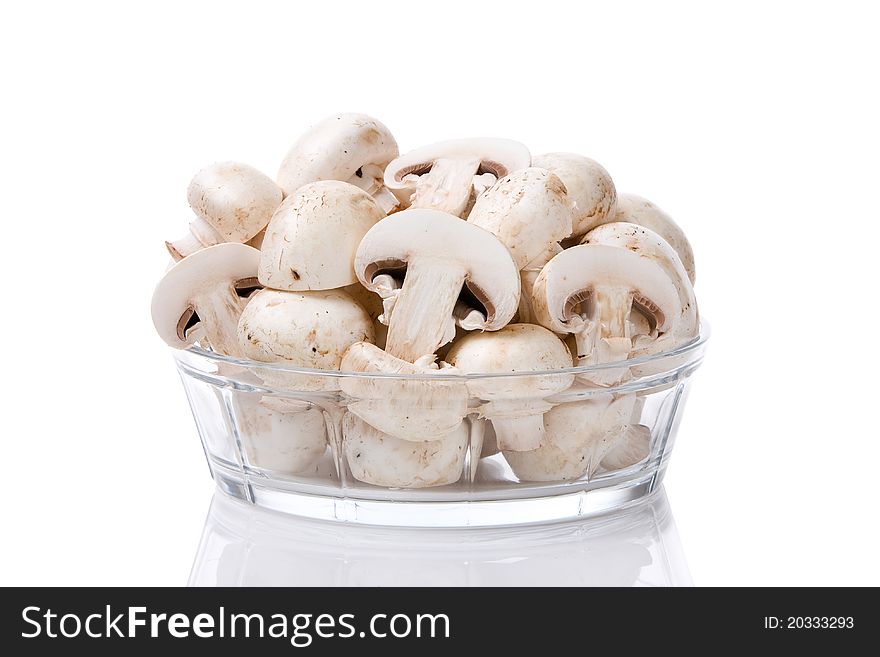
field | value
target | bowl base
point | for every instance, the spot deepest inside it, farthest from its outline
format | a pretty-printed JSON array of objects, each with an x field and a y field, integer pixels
[{"x": 579, "y": 503}]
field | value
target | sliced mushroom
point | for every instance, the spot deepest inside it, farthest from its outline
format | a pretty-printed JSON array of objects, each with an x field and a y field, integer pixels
[
  {"x": 200, "y": 290},
  {"x": 637, "y": 210},
  {"x": 312, "y": 239},
  {"x": 302, "y": 329},
  {"x": 578, "y": 436},
  {"x": 438, "y": 257},
  {"x": 448, "y": 175},
  {"x": 651, "y": 245},
  {"x": 233, "y": 202},
  {"x": 418, "y": 409},
  {"x": 353, "y": 148},
  {"x": 528, "y": 210},
  {"x": 590, "y": 290},
  {"x": 515, "y": 404},
  {"x": 588, "y": 185},
  {"x": 382, "y": 460}
]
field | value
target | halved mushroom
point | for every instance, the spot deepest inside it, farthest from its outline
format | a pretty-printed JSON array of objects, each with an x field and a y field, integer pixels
[
  {"x": 353, "y": 148},
  {"x": 588, "y": 185},
  {"x": 233, "y": 202},
  {"x": 423, "y": 408},
  {"x": 200, "y": 290},
  {"x": 383, "y": 460},
  {"x": 591, "y": 290},
  {"x": 515, "y": 404},
  {"x": 312, "y": 239},
  {"x": 651, "y": 245},
  {"x": 578, "y": 436},
  {"x": 637, "y": 210},
  {"x": 302, "y": 329},
  {"x": 448, "y": 175},
  {"x": 442, "y": 261},
  {"x": 528, "y": 210},
  {"x": 284, "y": 435}
]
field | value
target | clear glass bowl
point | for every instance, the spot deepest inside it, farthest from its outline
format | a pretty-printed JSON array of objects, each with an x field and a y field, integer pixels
[{"x": 308, "y": 442}]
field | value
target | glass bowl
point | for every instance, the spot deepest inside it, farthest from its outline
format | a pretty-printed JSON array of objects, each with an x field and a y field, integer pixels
[{"x": 423, "y": 450}]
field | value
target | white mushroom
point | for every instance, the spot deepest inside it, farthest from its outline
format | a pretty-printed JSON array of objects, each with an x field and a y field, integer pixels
[
  {"x": 588, "y": 185},
  {"x": 590, "y": 290},
  {"x": 301, "y": 329},
  {"x": 312, "y": 239},
  {"x": 528, "y": 210},
  {"x": 422, "y": 408},
  {"x": 372, "y": 303},
  {"x": 353, "y": 148},
  {"x": 634, "y": 446},
  {"x": 233, "y": 202},
  {"x": 448, "y": 175},
  {"x": 284, "y": 435},
  {"x": 382, "y": 460},
  {"x": 515, "y": 404},
  {"x": 578, "y": 436},
  {"x": 651, "y": 245},
  {"x": 438, "y": 257},
  {"x": 201, "y": 290},
  {"x": 637, "y": 210}
]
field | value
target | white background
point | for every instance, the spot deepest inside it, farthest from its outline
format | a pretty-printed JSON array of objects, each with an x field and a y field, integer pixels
[{"x": 756, "y": 127}]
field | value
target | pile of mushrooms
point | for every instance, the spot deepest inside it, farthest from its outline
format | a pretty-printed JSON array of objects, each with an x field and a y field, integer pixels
[{"x": 469, "y": 256}]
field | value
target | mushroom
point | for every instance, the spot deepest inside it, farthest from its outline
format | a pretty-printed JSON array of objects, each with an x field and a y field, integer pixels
[
  {"x": 442, "y": 261},
  {"x": 200, "y": 290},
  {"x": 311, "y": 241},
  {"x": 423, "y": 408},
  {"x": 233, "y": 202},
  {"x": 372, "y": 303},
  {"x": 590, "y": 290},
  {"x": 285, "y": 435},
  {"x": 382, "y": 460},
  {"x": 637, "y": 210},
  {"x": 301, "y": 329},
  {"x": 651, "y": 245},
  {"x": 632, "y": 447},
  {"x": 448, "y": 175},
  {"x": 528, "y": 210},
  {"x": 578, "y": 436},
  {"x": 515, "y": 404},
  {"x": 353, "y": 148},
  {"x": 588, "y": 185}
]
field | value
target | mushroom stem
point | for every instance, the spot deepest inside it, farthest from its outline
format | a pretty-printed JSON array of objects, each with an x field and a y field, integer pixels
[
  {"x": 424, "y": 308},
  {"x": 200, "y": 235},
  {"x": 219, "y": 313},
  {"x": 447, "y": 186},
  {"x": 519, "y": 434}
]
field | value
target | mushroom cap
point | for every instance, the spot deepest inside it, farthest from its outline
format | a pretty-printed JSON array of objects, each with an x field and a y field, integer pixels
[
  {"x": 313, "y": 236},
  {"x": 520, "y": 348},
  {"x": 335, "y": 149},
  {"x": 377, "y": 458},
  {"x": 570, "y": 277},
  {"x": 235, "y": 199},
  {"x": 498, "y": 156},
  {"x": 202, "y": 274},
  {"x": 638, "y": 210},
  {"x": 303, "y": 329},
  {"x": 528, "y": 210},
  {"x": 491, "y": 274},
  {"x": 589, "y": 185}
]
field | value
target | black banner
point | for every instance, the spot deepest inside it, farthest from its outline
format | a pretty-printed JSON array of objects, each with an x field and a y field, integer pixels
[{"x": 400, "y": 621}]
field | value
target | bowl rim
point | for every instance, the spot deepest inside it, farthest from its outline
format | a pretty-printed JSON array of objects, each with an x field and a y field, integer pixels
[{"x": 689, "y": 349}]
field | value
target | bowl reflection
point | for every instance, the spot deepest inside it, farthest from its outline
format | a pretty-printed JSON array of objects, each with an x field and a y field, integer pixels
[{"x": 246, "y": 546}]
